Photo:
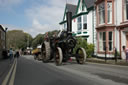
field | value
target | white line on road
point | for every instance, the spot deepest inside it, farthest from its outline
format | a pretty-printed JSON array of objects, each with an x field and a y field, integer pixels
[
  {"x": 13, "y": 75},
  {"x": 8, "y": 75}
]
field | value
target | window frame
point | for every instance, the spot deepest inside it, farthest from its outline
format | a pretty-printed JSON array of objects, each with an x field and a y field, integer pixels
[
  {"x": 84, "y": 22},
  {"x": 102, "y": 41}
]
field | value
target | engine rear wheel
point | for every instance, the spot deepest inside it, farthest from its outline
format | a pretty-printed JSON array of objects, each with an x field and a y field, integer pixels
[
  {"x": 81, "y": 56},
  {"x": 58, "y": 56},
  {"x": 45, "y": 51}
]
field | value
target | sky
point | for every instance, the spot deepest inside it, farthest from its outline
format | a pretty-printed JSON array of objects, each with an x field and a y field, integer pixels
[{"x": 33, "y": 16}]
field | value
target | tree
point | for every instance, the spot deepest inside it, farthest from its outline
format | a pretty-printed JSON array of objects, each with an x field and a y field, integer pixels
[
  {"x": 17, "y": 39},
  {"x": 38, "y": 40}
]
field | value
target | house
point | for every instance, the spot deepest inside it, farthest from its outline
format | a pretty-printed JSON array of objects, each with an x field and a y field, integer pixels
[
  {"x": 111, "y": 27},
  {"x": 83, "y": 19},
  {"x": 2, "y": 40}
]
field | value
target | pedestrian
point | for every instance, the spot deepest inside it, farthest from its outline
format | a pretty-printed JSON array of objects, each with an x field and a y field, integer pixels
[
  {"x": 20, "y": 52},
  {"x": 17, "y": 54},
  {"x": 11, "y": 54},
  {"x": 126, "y": 54}
]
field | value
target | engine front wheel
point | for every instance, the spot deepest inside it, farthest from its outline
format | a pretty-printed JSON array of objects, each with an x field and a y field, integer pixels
[
  {"x": 81, "y": 56},
  {"x": 58, "y": 56}
]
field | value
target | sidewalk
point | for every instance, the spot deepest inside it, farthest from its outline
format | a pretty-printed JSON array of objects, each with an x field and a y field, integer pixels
[
  {"x": 4, "y": 68},
  {"x": 109, "y": 61}
]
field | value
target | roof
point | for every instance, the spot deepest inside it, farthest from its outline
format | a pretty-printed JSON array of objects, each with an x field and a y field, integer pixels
[
  {"x": 90, "y": 3},
  {"x": 2, "y": 27},
  {"x": 74, "y": 8},
  {"x": 71, "y": 8}
]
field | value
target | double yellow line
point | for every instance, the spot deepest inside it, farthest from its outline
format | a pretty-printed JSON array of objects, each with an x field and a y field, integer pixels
[{"x": 11, "y": 74}]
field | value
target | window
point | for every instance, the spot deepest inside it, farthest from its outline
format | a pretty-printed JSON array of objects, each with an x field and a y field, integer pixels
[
  {"x": 110, "y": 35},
  {"x": 102, "y": 41},
  {"x": 125, "y": 9},
  {"x": 109, "y": 10},
  {"x": 65, "y": 26},
  {"x": 79, "y": 25},
  {"x": 101, "y": 12},
  {"x": 84, "y": 21}
]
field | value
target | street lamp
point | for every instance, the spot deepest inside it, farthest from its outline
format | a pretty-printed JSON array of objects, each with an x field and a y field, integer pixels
[{"x": 6, "y": 38}]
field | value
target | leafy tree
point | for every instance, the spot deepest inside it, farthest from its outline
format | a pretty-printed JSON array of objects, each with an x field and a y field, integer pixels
[
  {"x": 17, "y": 39},
  {"x": 38, "y": 40},
  {"x": 89, "y": 48}
]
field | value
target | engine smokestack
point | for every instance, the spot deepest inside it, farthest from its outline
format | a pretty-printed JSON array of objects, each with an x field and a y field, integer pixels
[{"x": 69, "y": 21}]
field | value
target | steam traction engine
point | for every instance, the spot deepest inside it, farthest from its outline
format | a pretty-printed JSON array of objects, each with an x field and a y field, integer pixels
[{"x": 60, "y": 48}]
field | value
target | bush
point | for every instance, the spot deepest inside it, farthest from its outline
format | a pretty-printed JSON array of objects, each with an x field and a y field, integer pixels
[{"x": 89, "y": 48}]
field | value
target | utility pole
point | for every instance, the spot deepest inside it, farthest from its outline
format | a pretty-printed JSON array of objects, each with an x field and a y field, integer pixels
[
  {"x": 6, "y": 38},
  {"x": 28, "y": 41}
]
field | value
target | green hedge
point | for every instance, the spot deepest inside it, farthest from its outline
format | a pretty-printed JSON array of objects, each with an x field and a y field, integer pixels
[{"x": 89, "y": 48}]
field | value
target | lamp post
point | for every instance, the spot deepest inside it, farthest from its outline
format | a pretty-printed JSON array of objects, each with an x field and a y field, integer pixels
[{"x": 6, "y": 38}]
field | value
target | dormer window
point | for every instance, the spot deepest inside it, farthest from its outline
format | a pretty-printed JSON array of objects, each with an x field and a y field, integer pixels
[{"x": 125, "y": 10}]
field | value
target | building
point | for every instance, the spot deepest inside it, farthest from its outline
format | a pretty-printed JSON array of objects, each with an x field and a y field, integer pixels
[
  {"x": 111, "y": 27},
  {"x": 83, "y": 19},
  {"x": 2, "y": 40}
]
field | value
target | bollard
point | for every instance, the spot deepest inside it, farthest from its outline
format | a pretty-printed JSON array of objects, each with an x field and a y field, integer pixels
[
  {"x": 115, "y": 55},
  {"x": 105, "y": 54}
]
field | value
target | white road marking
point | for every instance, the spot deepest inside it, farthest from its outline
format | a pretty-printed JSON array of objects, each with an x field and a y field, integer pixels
[
  {"x": 13, "y": 75},
  {"x": 8, "y": 75}
]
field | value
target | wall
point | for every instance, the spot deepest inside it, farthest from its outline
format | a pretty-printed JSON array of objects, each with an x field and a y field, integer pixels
[
  {"x": 2, "y": 41},
  {"x": 90, "y": 27}
]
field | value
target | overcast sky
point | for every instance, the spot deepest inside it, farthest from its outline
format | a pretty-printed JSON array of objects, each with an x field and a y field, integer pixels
[{"x": 32, "y": 16}]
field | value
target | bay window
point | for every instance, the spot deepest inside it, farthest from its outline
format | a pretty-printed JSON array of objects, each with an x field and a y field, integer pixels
[
  {"x": 85, "y": 22},
  {"x": 79, "y": 23},
  {"x": 101, "y": 12},
  {"x": 102, "y": 41},
  {"x": 125, "y": 9},
  {"x": 109, "y": 11}
]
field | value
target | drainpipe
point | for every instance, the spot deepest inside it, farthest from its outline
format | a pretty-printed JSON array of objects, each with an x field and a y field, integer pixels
[
  {"x": 93, "y": 27},
  {"x": 116, "y": 35}
]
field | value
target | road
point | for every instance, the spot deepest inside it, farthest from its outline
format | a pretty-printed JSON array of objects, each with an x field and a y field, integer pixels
[{"x": 28, "y": 71}]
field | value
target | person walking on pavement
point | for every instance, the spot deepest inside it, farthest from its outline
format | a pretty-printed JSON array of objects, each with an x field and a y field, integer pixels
[
  {"x": 126, "y": 54},
  {"x": 11, "y": 54}
]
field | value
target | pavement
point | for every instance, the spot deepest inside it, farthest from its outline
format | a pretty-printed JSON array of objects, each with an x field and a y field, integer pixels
[{"x": 108, "y": 61}]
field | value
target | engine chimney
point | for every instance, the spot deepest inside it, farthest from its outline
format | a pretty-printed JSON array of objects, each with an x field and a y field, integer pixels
[{"x": 69, "y": 21}]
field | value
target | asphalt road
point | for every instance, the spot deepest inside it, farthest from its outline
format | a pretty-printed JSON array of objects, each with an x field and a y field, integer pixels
[{"x": 33, "y": 72}]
